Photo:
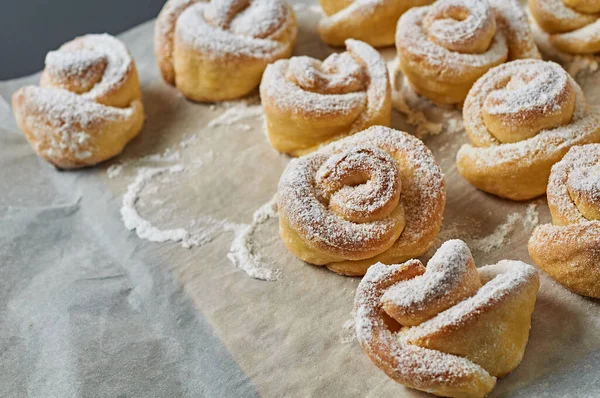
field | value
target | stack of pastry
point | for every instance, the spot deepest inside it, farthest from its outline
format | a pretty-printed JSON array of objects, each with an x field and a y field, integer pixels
[
  {"x": 450, "y": 329},
  {"x": 522, "y": 117},
  {"x": 569, "y": 250},
  {"x": 444, "y": 48},
  {"x": 308, "y": 103},
  {"x": 571, "y": 26},
  {"x": 377, "y": 196},
  {"x": 88, "y": 105}
]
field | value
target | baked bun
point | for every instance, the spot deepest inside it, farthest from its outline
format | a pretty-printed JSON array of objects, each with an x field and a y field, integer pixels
[
  {"x": 569, "y": 250},
  {"x": 88, "y": 105},
  {"x": 449, "y": 329},
  {"x": 372, "y": 21},
  {"x": 572, "y": 26},
  {"x": 444, "y": 48},
  {"x": 376, "y": 196},
  {"x": 219, "y": 50},
  {"x": 308, "y": 102},
  {"x": 521, "y": 118}
]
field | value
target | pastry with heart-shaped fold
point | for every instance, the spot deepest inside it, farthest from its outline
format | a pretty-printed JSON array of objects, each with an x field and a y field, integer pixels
[
  {"x": 309, "y": 103},
  {"x": 569, "y": 249},
  {"x": 449, "y": 328}
]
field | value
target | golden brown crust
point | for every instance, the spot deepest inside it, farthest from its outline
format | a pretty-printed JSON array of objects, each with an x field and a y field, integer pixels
[
  {"x": 569, "y": 250},
  {"x": 308, "y": 103},
  {"x": 217, "y": 51},
  {"x": 372, "y": 21},
  {"x": 572, "y": 26},
  {"x": 521, "y": 118},
  {"x": 453, "y": 348},
  {"x": 88, "y": 106},
  {"x": 443, "y": 65},
  {"x": 390, "y": 208}
]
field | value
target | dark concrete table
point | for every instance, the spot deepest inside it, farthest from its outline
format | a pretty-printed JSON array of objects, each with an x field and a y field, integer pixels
[{"x": 31, "y": 28}]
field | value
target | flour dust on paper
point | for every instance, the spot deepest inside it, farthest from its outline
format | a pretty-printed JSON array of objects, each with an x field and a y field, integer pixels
[{"x": 168, "y": 167}]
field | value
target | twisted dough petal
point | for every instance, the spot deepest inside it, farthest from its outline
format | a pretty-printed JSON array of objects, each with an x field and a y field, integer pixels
[
  {"x": 539, "y": 112},
  {"x": 572, "y": 25},
  {"x": 444, "y": 48},
  {"x": 397, "y": 192},
  {"x": 447, "y": 355},
  {"x": 89, "y": 106},
  {"x": 569, "y": 250},
  {"x": 309, "y": 103},
  {"x": 372, "y": 21},
  {"x": 219, "y": 50}
]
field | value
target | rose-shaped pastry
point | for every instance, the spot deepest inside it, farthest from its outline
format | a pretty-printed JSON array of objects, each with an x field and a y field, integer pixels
[
  {"x": 308, "y": 103},
  {"x": 372, "y": 21},
  {"x": 219, "y": 50},
  {"x": 449, "y": 329},
  {"x": 569, "y": 250},
  {"x": 522, "y": 117},
  {"x": 572, "y": 26},
  {"x": 88, "y": 106},
  {"x": 376, "y": 196},
  {"x": 444, "y": 48}
]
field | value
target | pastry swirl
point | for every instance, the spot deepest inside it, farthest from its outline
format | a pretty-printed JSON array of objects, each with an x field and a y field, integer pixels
[
  {"x": 444, "y": 48},
  {"x": 219, "y": 50},
  {"x": 425, "y": 327},
  {"x": 308, "y": 103},
  {"x": 569, "y": 250},
  {"x": 572, "y": 26},
  {"x": 521, "y": 118},
  {"x": 376, "y": 196},
  {"x": 372, "y": 21},
  {"x": 88, "y": 106}
]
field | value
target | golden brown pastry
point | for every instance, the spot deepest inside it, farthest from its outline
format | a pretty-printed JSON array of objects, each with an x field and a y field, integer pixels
[
  {"x": 308, "y": 103},
  {"x": 522, "y": 117},
  {"x": 572, "y": 26},
  {"x": 372, "y": 21},
  {"x": 449, "y": 329},
  {"x": 444, "y": 48},
  {"x": 376, "y": 196},
  {"x": 219, "y": 50},
  {"x": 569, "y": 250},
  {"x": 88, "y": 105}
]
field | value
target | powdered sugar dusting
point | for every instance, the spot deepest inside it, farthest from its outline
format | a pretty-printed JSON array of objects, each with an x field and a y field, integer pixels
[
  {"x": 236, "y": 28},
  {"x": 549, "y": 143},
  {"x": 353, "y": 86},
  {"x": 422, "y": 193}
]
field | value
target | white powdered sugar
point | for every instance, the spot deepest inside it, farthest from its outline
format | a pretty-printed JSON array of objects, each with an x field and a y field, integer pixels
[
  {"x": 243, "y": 251},
  {"x": 235, "y": 114},
  {"x": 549, "y": 143},
  {"x": 503, "y": 280},
  {"x": 497, "y": 238},
  {"x": 584, "y": 158},
  {"x": 76, "y": 57},
  {"x": 352, "y": 86},
  {"x": 422, "y": 195},
  {"x": 443, "y": 278},
  {"x": 414, "y": 43},
  {"x": 235, "y": 28},
  {"x": 144, "y": 228}
]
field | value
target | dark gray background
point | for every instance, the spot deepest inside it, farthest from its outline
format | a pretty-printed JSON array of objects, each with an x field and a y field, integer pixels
[{"x": 31, "y": 28}]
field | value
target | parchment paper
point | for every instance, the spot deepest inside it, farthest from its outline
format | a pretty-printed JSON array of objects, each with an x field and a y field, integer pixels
[{"x": 88, "y": 309}]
